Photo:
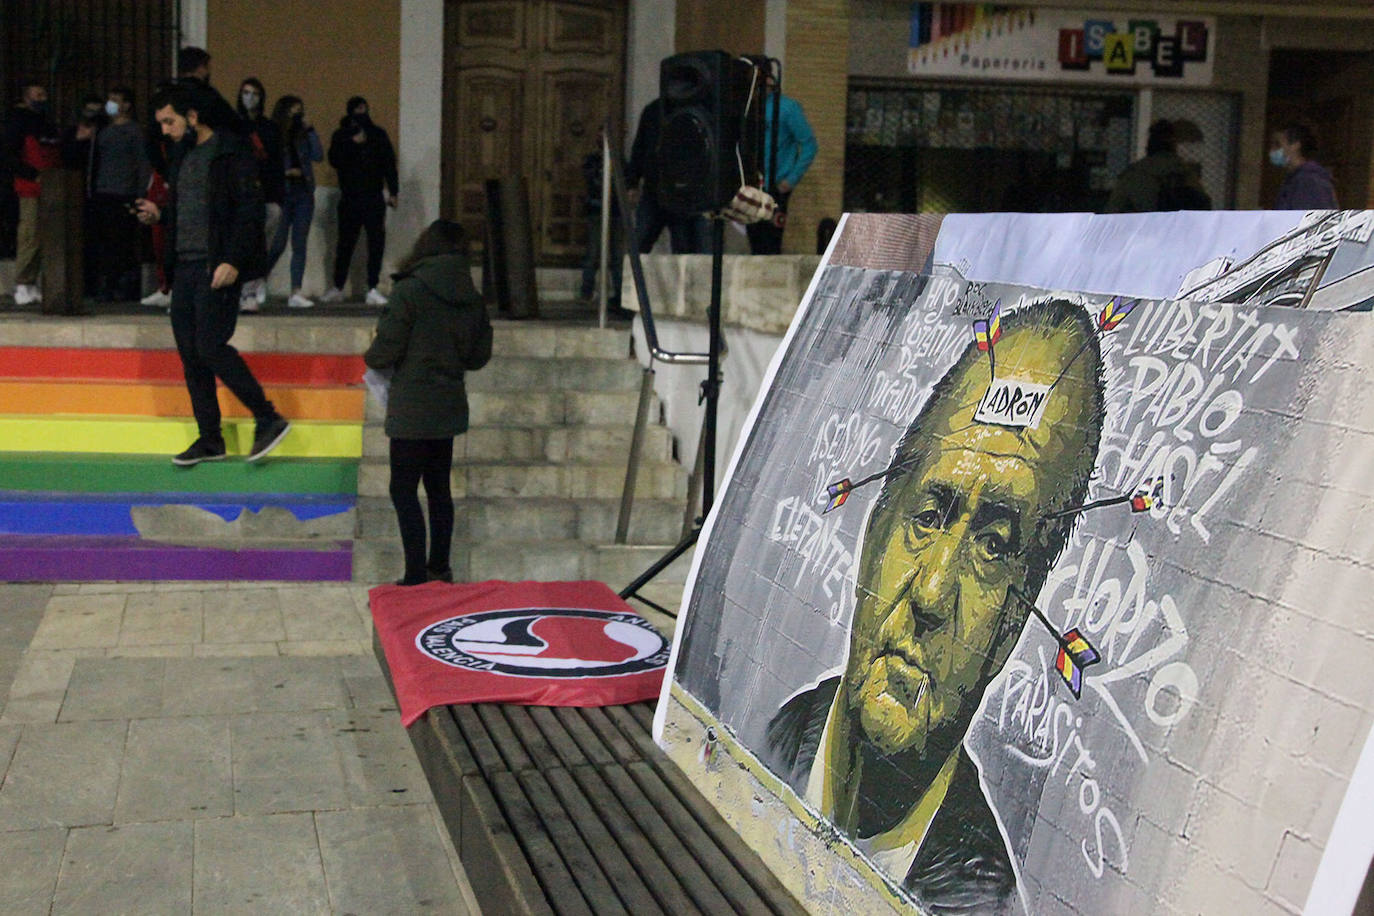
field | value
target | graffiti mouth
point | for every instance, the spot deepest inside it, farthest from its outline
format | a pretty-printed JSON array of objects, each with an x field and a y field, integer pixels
[{"x": 907, "y": 681}]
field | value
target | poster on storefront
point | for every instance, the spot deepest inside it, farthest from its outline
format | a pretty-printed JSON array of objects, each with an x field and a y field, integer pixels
[
  {"x": 1038, "y": 582},
  {"x": 998, "y": 42}
]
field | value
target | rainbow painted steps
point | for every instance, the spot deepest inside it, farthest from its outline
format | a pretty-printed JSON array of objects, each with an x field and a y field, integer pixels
[{"x": 88, "y": 491}]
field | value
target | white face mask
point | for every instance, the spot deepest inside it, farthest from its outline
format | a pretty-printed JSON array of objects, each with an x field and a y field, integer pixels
[
  {"x": 112, "y": 109},
  {"x": 250, "y": 99},
  {"x": 1278, "y": 157}
]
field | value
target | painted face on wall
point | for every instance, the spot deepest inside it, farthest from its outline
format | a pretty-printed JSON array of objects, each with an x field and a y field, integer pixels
[{"x": 934, "y": 620}]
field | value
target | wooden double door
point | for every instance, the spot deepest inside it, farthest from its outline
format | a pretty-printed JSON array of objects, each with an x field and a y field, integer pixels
[{"x": 527, "y": 86}]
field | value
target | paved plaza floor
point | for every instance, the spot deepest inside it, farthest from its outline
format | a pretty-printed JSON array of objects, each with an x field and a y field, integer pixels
[{"x": 208, "y": 748}]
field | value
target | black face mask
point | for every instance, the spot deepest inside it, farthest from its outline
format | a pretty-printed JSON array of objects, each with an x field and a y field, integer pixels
[
  {"x": 362, "y": 120},
  {"x": 298, "y": 119},
  {"x": 40, "y": 107}
]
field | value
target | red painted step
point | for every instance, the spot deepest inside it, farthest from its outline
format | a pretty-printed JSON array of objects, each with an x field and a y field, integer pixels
[{"x": 165, "y": 365}]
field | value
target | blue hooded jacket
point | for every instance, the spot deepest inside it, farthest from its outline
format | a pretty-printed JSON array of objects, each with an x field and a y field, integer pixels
[{"x": 796, "y": 142}]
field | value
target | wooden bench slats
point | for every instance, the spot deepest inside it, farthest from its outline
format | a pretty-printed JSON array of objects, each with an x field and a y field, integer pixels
[
  {"x": 605, "y": 729},
  {"x": 509, "y": 746},
  {"x": 582, "y": 865},
  {"x": 539, "y": 847},
  {"x": 445, "y": 729},
  {"x": 569, "y": 754},
  {"x": 588, "y": 821},
  {"x": 574, "y": 811},
  {"x": 582, "y": 733},
  {"x": 497, "y": 867},
  {"x": 631, "y": 723},
  {"x": 644, "y": 714},
  {"x": 657, "y": 875},
  {"x": 695, "y": 881},
  {"x": 715, "y": 863},
  {"x": 532, "y": 740},
  {"x": 478, "y": 740}
]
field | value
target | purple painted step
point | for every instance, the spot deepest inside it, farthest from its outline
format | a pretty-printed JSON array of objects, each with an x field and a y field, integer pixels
[{"x": 88, "y": 559}]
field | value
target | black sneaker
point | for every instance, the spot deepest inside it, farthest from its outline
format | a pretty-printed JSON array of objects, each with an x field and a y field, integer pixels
[
  {"x": 268, "y": 435},
  {"x": 199, "y": 451},
  {"x": 439, "y": 575}
]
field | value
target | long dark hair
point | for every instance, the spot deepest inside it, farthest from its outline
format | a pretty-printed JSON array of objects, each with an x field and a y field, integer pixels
[
  {"x": 443, "y": 236},
  {"x": 262, "y": 97},
  {"x": 281, "y": 116}
]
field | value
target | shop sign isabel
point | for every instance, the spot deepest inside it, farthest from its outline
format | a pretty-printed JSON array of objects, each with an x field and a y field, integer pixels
[{"x": 1060, "y": 45}]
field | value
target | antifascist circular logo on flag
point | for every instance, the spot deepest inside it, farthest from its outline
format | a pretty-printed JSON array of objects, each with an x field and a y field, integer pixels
[{"x": 546, "y": 642}]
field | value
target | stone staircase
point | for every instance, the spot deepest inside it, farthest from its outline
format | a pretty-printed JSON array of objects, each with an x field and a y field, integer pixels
[{"x": 538, "y": 477}]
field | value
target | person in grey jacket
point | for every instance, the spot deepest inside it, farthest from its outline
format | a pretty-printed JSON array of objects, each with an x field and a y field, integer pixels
[{"x": 434, "y": 329}]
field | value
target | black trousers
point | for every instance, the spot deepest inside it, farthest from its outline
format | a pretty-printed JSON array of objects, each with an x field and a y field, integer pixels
[
  {"x": 413, "y": 460},
  {"x": 203, "y": 320},
  {"x": 355, "y": 215},
  {"x": 117, "y": 233}
]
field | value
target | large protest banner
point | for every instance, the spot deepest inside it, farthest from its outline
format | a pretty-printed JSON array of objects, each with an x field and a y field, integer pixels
[{"x": 1039, "y": 581}]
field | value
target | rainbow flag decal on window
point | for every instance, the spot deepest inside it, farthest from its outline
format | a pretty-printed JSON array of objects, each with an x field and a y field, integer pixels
[
  {"x": 838, "y": 492},
  {"x": 1114, "y": 311},
  {"x": 1075, "y": 654}
]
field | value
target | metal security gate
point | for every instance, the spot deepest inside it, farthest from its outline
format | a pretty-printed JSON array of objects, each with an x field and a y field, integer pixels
[{"x": 80, "y": 47}]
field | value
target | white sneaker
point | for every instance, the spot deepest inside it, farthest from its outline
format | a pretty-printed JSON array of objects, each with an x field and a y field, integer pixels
[
  {"x": 374, "y": 297},
  {"x": 297, "y": 301},
  {"x": 248, "y": 303},
  {"x": 156, "y": 299},
  {"x": 333, "y": 294},
  {"x": 260, "y": 293},
  {"x": 24, "y": 294}
]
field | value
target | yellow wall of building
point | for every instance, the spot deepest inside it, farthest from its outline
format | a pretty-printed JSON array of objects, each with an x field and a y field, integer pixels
[
  {"x": 295, "y": 47},
  {"x": 816, "y": 74}
]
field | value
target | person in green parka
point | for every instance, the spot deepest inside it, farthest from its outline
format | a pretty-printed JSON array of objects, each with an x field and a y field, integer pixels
[{"x": 434, "y": 329}]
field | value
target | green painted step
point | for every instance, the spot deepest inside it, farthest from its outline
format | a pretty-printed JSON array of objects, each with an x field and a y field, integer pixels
[{"x": 95, "y": 473}]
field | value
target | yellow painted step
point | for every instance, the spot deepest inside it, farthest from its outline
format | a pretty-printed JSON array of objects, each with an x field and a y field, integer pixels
[{"x": 141, "y": 436}]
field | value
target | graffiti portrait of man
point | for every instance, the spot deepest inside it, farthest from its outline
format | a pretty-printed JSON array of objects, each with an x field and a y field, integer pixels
[{"x": 962, "y": 535}]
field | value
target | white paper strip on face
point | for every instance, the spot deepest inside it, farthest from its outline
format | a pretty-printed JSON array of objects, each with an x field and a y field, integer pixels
[{"x": 1010, "y": 402}]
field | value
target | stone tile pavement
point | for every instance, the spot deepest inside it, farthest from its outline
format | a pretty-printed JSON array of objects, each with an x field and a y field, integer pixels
[{"x": 208, "y": 748}]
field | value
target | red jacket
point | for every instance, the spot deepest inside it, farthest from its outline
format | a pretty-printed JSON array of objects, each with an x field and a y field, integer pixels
[{"x": 31, "y": 145}]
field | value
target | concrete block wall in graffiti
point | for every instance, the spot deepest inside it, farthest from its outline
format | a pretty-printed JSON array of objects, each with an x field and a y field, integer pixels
[{"x": 1047, "y": 598}]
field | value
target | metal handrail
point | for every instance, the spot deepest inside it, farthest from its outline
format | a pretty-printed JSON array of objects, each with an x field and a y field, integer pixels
[
  {"x": 611, "y": 167},
  {"x": 627, "y": 224}
]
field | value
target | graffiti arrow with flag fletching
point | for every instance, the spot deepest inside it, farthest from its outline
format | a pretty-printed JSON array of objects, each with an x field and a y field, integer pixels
[{"x": 1075, "y": 652}]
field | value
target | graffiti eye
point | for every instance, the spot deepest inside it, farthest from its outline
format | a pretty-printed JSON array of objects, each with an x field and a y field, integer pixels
[
  {"x": 927, "y": 518},
  {"x": 995, "y": 544}
]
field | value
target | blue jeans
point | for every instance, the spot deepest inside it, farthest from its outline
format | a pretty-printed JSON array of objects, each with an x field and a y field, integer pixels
[{"x": 296, "y": 213}]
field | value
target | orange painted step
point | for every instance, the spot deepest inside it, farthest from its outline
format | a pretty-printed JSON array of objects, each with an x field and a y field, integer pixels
[
  {"x": 165, "y": 366},
  {"x": 166, "y": 399}
]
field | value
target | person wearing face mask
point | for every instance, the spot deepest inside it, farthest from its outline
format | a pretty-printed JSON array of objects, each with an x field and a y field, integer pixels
[
  {"x": 120, "y": 173},
  {"x": 1307, "y": 185},
  {"x": 301, "y": 149},
  {"x": 362, "y": 154},
  {"x": 78, "y": 154},
  {"x": 264, "y": 136},
  {"x": 31, "y": 144}
]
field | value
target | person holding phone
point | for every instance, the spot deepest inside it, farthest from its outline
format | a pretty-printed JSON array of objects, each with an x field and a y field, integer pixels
[{"x": 214, "y": 220}]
